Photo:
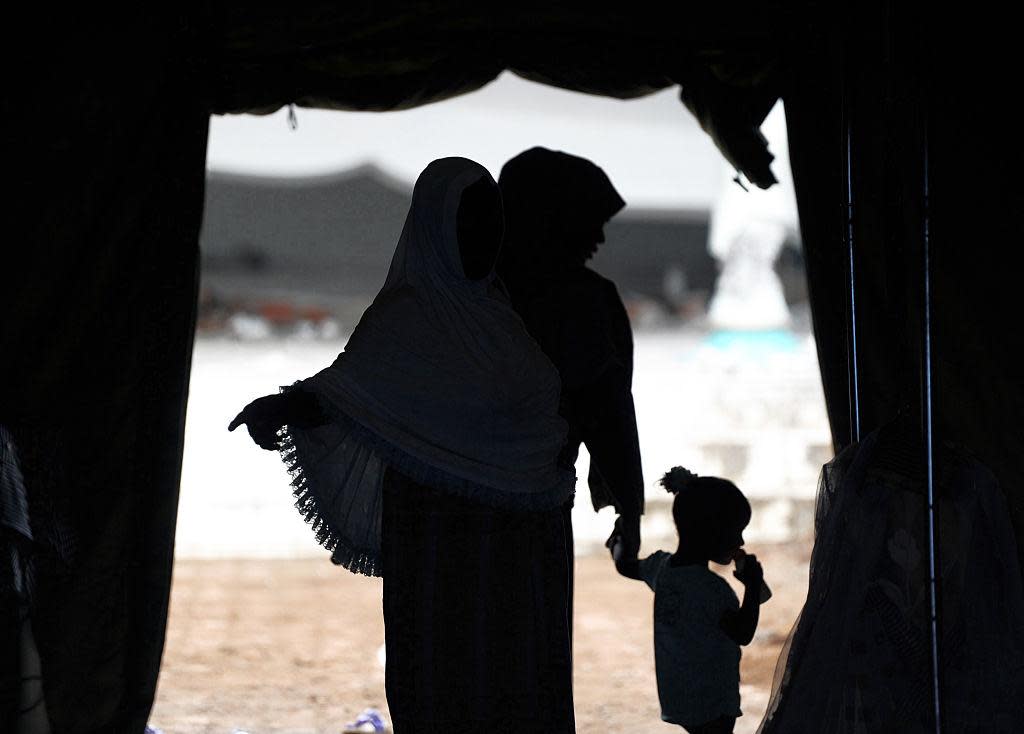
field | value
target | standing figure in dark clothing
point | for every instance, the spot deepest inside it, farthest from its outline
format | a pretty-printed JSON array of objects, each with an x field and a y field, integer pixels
[
  {"x": 699, "y": 624},
  {"x": 428, "y": 453},
  {"x": 556, "y": 206}
]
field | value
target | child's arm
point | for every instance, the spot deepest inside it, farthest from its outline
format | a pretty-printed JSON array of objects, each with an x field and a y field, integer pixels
[
  {"x": 628, "y": 566},
  {"x": 740, "y": 625}
]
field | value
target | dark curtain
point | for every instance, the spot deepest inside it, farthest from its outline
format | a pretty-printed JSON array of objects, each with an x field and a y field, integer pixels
[
  {"x": 99, "y": 293},
  {"x": 394, "y": 55},
  {"x": 977, "y": 227},
  {"x": 390, "y": 55},
  {"x": 901, "y": 78},
  {"x": 97, "y": 303},
  {"x": 930, "y": 168}
]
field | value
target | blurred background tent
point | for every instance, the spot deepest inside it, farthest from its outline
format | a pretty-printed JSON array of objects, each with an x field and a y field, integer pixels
[{"x": 107, "y": 114}]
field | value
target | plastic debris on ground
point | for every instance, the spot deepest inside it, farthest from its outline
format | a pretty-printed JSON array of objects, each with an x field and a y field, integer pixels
[{"x": 369, "y": 721}]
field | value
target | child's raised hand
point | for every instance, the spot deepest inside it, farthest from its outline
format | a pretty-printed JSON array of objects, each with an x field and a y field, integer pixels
[{"x": 748, "y": 569}]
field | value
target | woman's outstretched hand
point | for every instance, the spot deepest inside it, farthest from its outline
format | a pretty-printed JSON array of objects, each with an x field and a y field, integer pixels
[{"x": 264, "y": 418}]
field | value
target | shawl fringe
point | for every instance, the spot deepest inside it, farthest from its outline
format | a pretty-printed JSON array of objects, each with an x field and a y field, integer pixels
[
  {"x": 367, "y": 561},
  {"x": 362, "y": 561}
]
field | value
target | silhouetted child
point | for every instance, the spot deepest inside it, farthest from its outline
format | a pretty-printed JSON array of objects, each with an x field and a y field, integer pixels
[{"x": 699, "y": 624}]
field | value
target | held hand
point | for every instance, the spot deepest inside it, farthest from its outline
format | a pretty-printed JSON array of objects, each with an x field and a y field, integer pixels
[
  {"x": 617, "y": 548},
  {"x": 614, "y": 547},
  {"x": 625, "y": 538},
  {"x": 263, "y": 417}
]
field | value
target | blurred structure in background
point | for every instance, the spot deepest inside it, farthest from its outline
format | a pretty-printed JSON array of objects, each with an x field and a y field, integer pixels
[
  {"x": 298, "y": 223},
  {"x": 307, "y": 255},
  {"x": 749, "y": 228}
]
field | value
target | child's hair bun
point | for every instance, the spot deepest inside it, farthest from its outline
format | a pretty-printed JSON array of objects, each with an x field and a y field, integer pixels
[{"x": 677, "y": 479}]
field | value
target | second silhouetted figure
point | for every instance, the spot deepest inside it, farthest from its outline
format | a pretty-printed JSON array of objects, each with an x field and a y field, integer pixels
[{"x": 556, "y": 206}]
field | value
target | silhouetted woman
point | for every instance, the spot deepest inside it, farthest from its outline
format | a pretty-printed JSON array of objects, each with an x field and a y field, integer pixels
[
  {"x": 556, "y": 206},
  {"x": 427, "y": 454}
]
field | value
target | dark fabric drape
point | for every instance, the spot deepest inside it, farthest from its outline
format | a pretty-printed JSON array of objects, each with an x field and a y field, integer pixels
[
  {"x": 99, "y": 295},
  {"x": 394, "y": 55},
  {"x": 895, "y": 77},
  {"x": 97, "y": 308},
  {"x": 886, "y": 230},
  {"x": 932, "y": 159},
  {"x": 976, "y": 204},
  {"x": 858, "y": 659},
  {"x": 98, "y": 292}
]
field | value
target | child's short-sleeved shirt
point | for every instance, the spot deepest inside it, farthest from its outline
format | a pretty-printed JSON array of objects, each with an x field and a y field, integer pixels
[{"x": 697, "y": 664}]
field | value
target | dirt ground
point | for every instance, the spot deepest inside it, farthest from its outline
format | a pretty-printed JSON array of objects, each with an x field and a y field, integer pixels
[{"x": 292, "y": 646}]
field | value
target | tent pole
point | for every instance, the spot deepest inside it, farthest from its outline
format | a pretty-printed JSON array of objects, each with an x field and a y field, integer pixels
[
  {"x": 853, "y": 376},
  {"x": 928, "y": 442}
]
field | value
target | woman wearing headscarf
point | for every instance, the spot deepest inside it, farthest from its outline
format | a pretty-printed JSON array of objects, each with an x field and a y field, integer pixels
[
  {"x": 556, "y": 206},
  {"x": 427, "y": 453}
]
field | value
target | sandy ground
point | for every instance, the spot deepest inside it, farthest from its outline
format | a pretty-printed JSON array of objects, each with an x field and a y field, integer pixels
[{"x": 292, "y": 646}]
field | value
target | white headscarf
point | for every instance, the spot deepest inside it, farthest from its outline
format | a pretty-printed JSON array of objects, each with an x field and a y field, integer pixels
[{"x": 439, "y": 380}]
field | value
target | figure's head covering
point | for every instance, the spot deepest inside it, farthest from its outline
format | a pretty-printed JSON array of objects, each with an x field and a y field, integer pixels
[
  {"x": 439, "y": 380},
  {"x": 548, "y": 194},
  {"x": 428, "y": 255}
]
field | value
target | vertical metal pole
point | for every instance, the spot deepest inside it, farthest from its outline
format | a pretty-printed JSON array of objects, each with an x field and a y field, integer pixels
[
  {"x": 854, "y": 375},
  {"x": 852, "y": 367},
  {"x": 928, "y": 444}
]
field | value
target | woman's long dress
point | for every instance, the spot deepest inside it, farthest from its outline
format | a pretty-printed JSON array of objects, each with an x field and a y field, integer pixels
[{"x": 476, "y": 614}]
